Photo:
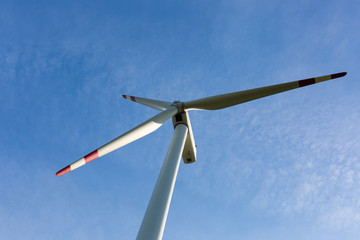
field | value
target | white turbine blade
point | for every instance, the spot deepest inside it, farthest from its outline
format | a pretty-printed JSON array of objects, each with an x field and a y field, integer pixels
[
  {"x": 231, "y": 99},
  {"x": 140, "y": 131},
  {"x": 159, "y": 105}
]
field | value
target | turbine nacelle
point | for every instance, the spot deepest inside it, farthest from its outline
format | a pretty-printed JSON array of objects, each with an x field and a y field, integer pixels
[
  {"x": 182, "y": 117},
  {"x": 189, "y": 152}
]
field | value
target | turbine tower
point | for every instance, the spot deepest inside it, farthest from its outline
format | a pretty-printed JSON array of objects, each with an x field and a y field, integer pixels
[{"x": 182, "y": 143}]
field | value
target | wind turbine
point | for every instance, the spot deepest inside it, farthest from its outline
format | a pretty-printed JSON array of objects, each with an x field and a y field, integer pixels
[{"x": 182, "y": 142}]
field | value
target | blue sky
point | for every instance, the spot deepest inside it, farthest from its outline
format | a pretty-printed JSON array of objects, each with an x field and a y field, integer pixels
[{"x": 282, "y": 167}]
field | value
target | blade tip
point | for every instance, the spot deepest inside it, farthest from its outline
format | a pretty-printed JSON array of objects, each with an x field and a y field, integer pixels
[
  {"x": 337, "y": 75},
  {"x": 124, "y": 96},
  {"x": 63, "y": 171}
]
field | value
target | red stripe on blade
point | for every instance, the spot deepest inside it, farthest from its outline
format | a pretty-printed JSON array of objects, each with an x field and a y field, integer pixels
[
  {"x": 305, "y": 82},
  {"x": 91, "y": 156},
  {"x": 124, "y": 96},
  {"x": 63, "y": 171},
  {"x": 337, "y": 75},
  {"x": 132, "y": 98}
]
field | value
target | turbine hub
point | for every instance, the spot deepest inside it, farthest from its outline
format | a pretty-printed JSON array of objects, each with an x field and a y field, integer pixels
[{"x": 179, "y": 105}]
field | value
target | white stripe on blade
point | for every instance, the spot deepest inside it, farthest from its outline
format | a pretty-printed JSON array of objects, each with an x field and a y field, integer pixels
[{"x": 77, "y": 164}]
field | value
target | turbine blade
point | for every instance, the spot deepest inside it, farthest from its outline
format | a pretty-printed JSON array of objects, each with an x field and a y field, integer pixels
[
  {"x": 140, "y": 131},
  {"x": 231, "y": 99},
  {"x": 159, "y": 105}
]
